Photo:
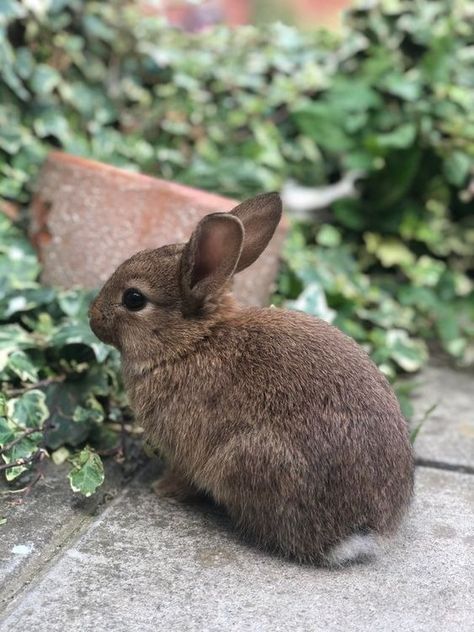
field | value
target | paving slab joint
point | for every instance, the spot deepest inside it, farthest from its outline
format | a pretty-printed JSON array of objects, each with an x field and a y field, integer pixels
[
  {"x": 442, "y": 465},
  {"x": 56, "y": 549}
]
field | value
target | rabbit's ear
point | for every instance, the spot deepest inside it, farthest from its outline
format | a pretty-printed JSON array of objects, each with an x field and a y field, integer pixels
[
  {"x": 260, "y": 216},
  {"x": 211, "y": 255}
]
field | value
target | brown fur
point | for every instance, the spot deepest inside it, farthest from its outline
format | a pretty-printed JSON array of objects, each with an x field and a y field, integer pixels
[{"x": 277, "y": 415}]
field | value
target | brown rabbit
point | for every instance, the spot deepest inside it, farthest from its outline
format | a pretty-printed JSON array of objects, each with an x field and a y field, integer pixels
[{"x": 280, "y": 417}]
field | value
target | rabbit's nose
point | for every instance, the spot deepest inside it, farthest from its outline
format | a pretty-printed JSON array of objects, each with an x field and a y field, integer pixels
[
  {"x": 101, "y": 324},
  {"x": 94, "y": 312},
  {"x": 95, "y": 317},
  {"x": 97, "y": 326}
]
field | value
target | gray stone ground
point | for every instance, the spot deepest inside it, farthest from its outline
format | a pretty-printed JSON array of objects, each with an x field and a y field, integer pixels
[
  {"x": 447, "y": 437},
  {"x": 126, "y": 561}
]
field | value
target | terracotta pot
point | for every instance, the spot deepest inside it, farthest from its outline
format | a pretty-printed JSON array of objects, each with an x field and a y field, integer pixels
[{"x": 87, "y": 217}]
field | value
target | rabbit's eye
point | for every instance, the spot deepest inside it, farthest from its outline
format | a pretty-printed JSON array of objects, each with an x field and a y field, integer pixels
[{"x": 133, "y": 299}]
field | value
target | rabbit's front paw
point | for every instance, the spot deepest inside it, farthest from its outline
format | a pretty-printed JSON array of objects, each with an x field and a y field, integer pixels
[{"x": 171, "y": 485}]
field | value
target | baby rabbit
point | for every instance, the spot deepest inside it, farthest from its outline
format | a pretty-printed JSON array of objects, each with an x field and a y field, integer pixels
[{"x": 278, "y": 416}]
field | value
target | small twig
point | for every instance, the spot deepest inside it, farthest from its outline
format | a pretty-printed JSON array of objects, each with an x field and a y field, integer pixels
[
  {"x": 26, "y": 433},
  {"x": 26, "y": 490},
  {"x": 419, "y": 425},
  {"x": 41, "y": 383},
  {"x": 9, "y": 492},
  {"x": 23, "y": 461}
]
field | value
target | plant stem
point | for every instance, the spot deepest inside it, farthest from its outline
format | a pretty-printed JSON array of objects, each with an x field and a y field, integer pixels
[
  {"x": 27, "y": 433},
  {"x": 41, "y": 383},
  {"x": 38, "y": 455},
  {"x": 26, "y": 490}
]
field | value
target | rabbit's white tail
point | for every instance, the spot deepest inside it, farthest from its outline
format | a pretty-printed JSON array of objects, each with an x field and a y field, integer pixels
[{"x": 357, "y": 547}]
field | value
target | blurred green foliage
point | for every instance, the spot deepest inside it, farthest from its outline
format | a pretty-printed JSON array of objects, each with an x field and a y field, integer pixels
[
  {"x": 61, "y": 385},
  {"x": 239, "y": 112}
]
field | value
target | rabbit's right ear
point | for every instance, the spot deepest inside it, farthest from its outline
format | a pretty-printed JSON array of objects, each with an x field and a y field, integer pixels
[
  {"x": 260, "y": 216},
  {"x": 210, "y": 257}
]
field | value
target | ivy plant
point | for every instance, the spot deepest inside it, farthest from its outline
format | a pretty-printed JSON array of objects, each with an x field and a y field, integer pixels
[
  {"x": 240, "y": 111},
  {"x": 61, "y": 394}
]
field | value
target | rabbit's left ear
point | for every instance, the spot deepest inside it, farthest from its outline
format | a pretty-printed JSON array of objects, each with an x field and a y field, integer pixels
[
  {"x": 260, "y": 216},
  {"x": 211, "y": 255}
]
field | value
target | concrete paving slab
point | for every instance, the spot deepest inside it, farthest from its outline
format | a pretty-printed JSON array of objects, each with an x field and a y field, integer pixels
[
  {"x": 447, "y": 436},
  {"x": 38, "y": 529},
  {"x": 150, "y": 565}
]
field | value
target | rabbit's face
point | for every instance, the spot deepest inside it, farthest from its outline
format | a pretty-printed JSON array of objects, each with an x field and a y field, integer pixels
[
  {"x": 141, "y": 303},
  {"x": 159, "y": 302}
]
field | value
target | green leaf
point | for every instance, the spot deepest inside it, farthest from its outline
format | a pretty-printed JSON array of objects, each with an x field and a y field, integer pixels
[
  {"x": 313, "y": 301},
  {"x": 402, "y": 86},
  {"x": 400, "y": 138},
  {"x": 52, "y": 123},
  {"x": 449, "y": 330},
  {"x": 390, "y": 252},
  {"x": 23, "y": 366},
  {"x": 67, "y": 426},
  {"x": 325, "y": 125},
  {"x": 329, "y": 235},
  {"x": 74, "y": 303},
  {"x": 10, "y": 9},
  {"x": 457, "y": 167},
  {"x": 44, "y": 79},
  {"x": 21, "y": 450},
  {"x": 29, "y": 410},
  {"x": 71, "y": 333},
  {"x": 87, "y": 473},
  {"x": 30, "y": 299},
  {"x": 10, "y": 140},
  {"x": 12, "y": 338},
  {"x": 92, "y": 412},
  {"x": 409, "y": 354},
  {"x": 98, "y": 28},
  {"x": 6, "y": 432},
  {"x": 351, "y": 95},
  {"x": 426, "y": 271}
]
